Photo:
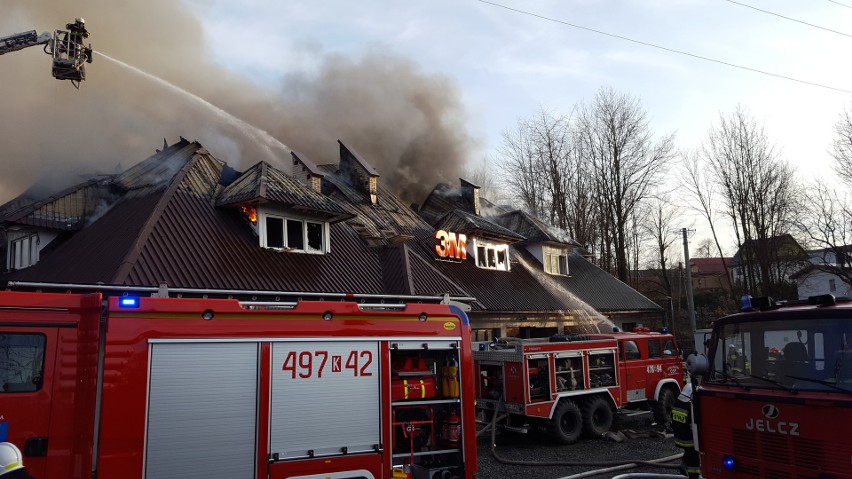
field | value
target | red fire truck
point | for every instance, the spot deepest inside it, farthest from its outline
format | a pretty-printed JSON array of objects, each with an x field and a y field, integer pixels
[
  {"x": 569, "y": 385},
  {"x": 158, "y": 387},
  {"x": 775, "y": 399}
]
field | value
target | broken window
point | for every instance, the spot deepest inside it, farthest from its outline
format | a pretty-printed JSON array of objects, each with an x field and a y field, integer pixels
[
  {"x": 314, "y": 237},
  {"x": 293, "y": 234},
  {"x": 492, "y": 256}
]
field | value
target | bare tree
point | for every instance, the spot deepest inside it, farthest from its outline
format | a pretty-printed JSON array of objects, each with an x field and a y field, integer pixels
[
  {"x": 519, "y": 157},
  {"x": 826, "y": 221},
  {"x": 842, "y": 147},
  {"x": 546, "y": 174},
  {"x": 760, "y": 196},
  {"x": 662, "y": 222},
  {"x": 485, "y": 176},
  {"x": 704, "y": 248},
  {"x": 625, "y": 164},
  {"x": 701, "y": 190}
]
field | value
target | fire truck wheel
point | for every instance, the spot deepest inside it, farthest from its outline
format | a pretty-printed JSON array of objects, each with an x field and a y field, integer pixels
[
  {"x": 597, "y": 416},
  {"x": 663, "y": 407},
  {"x": 566, "y": 425}
]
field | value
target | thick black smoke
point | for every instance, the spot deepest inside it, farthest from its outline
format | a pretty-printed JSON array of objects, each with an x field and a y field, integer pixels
[{"x": 409, "y": 125}]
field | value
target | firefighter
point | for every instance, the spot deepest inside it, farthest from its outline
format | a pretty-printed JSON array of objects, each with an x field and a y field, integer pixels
[
  {"x": 682, "y": 428},
  {"x": 12, "y": 462},
  {"x": 78, "y": 30},
  {"x": 76, "y": 33},
  {"x": 737, "y": 362}
]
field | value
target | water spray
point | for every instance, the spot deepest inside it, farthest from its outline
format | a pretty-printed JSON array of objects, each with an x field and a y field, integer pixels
[{"x": 269, "y": 143}]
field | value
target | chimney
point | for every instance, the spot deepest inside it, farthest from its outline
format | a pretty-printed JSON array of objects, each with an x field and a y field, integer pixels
[
  {"x": 306, "y": 172},
  {"x": 470, "y": 196},
  {"x": 358, "y": 172}
]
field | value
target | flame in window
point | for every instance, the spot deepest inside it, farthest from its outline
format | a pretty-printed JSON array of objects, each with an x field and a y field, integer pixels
[{"x": 251, "y": 214}]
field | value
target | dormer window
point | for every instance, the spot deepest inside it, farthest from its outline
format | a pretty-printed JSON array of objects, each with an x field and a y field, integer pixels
[
  {"x": 555, "y": 262},
  {"x": 288, "y": 233},
  {"x": 23, "y": 251},
  {"x": 492, "y": 255}
]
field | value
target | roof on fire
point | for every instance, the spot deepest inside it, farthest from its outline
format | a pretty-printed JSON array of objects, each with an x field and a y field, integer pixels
[{"x": 174, "y": 219}]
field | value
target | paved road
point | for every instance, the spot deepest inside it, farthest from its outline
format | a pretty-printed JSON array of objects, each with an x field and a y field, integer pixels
[{"x": 538, "y": 447}]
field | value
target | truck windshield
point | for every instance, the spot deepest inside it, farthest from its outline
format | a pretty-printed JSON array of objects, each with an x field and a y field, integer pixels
[{"x": 794, "y": 354}]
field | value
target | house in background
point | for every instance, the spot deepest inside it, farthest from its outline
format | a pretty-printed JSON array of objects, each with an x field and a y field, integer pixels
[
  {"x": 764, "y": 267},
  {"x": 829, "y": 272},
  {"x": 710, "y": 275}
]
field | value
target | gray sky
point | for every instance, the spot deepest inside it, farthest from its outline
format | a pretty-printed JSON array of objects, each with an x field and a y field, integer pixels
[
  {"x": 309, "y": 72},
  {"x": 506, "y": 63}
]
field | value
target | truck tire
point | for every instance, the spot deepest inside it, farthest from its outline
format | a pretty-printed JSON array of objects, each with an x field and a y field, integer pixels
[
  {"x": 566, "y": 425},
  {"x": 662, "y": 407},
  {"x": 597, "y": 416}
]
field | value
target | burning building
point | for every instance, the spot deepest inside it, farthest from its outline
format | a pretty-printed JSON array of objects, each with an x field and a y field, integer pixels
[{"x": 184, "y": 221}]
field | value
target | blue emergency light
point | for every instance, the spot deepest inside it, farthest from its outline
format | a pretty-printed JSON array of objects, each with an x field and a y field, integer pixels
[
  {"x": 728, "y": 462},
  {"x": 745, "y": 303},
  {"x": 128, "y": 302}
]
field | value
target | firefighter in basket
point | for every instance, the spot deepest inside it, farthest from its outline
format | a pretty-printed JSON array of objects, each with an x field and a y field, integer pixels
[
  {"x": 12, "y": 462},
  {"x": 683, "y": 433},
  {"x": 76, "y": 34}
]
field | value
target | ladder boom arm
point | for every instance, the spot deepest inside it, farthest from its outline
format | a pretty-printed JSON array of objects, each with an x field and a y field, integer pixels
[{"x": 19, "y": 41}]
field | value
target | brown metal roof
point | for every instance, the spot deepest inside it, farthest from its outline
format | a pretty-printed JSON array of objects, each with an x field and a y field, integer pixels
[
  {"x": 265, "y": 183},
  {"x": 533, "y": 229},
  {"x": 463, "y": 222}
]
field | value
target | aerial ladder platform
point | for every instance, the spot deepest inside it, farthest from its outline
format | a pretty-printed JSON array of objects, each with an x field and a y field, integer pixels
[{"x": 65, "y": 47}]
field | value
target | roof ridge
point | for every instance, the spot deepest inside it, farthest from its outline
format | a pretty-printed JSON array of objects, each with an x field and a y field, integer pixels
[{"x": 135, "y": 250}]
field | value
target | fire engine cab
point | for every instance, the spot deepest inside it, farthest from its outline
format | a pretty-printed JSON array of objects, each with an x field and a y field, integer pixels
[
  {"x": 775, "y": 397},
  {"x": 157, "y": 387},
  {"x": 569, "y": 385}
]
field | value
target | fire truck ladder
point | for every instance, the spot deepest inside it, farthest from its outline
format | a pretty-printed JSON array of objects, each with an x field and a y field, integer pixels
[
  {"x": 19, "y": 41},
  {"x": 255, "y": 299}
]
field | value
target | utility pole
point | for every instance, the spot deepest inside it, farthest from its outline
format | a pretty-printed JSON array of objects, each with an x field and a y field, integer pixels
[{"x": 689, "y": 301}]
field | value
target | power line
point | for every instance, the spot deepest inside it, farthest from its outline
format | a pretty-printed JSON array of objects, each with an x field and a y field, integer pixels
[
  {"x": 672, "y": 50},
  {"x": 788, "y": 18},
  {"x": 841, "y": 4}
]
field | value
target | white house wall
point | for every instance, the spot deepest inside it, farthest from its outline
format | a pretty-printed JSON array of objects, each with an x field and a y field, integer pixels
[{"x": 817, "y": 282}]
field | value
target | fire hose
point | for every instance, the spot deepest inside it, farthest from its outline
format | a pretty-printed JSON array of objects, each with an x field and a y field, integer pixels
[{"x": 610, "y": 465}]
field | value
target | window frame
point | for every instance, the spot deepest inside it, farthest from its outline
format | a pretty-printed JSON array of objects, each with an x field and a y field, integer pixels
[
  {"x": 487, "y": 255},
  {"x": 39, "y": 355},
  {"x": 654, "y": 348},
  {"x": 561, "y": 263},
  {"x": 307, "y": 226},
  {"x": 16, "y": 251}
]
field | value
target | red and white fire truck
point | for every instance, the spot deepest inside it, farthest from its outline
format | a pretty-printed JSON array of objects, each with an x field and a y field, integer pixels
[
  {"x": 569, "y": 385},
  {"x": 159, "y": 387},
  {"x": 775, "y": 399}
]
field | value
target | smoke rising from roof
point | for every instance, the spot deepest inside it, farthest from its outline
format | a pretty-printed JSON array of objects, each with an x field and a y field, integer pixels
[{"x": 409, "y": 125}]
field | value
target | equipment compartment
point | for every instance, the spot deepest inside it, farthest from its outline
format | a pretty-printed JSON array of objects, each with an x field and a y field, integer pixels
[{"x": 426, "y": 406}]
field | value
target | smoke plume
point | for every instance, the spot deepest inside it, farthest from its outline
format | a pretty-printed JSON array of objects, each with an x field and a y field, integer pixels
[{"x": 409, "y": 125}]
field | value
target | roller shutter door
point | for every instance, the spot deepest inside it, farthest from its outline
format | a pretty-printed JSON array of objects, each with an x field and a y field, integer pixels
[
  {"x": 325, "y": 398},
  {"x": 202, "y": 411}
]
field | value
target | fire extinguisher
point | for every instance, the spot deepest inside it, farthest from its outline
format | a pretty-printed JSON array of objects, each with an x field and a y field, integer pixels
[{"x": 451, "y": 431}]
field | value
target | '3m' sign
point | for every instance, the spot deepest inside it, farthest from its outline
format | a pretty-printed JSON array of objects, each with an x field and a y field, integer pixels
[{"x": 450, "y": 245}]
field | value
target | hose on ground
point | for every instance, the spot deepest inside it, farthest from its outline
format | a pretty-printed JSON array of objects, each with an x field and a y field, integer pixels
[{"x": 629, "y": 463}]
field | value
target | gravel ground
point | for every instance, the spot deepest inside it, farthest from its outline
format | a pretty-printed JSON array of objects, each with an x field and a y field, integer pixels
[{"x": 538, "y": 447}]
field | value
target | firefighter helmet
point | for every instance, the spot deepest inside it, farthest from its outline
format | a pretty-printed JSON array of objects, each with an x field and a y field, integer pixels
[
  {"x": 79, "y": 21},
  {"x": 10, "y": 458}
]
